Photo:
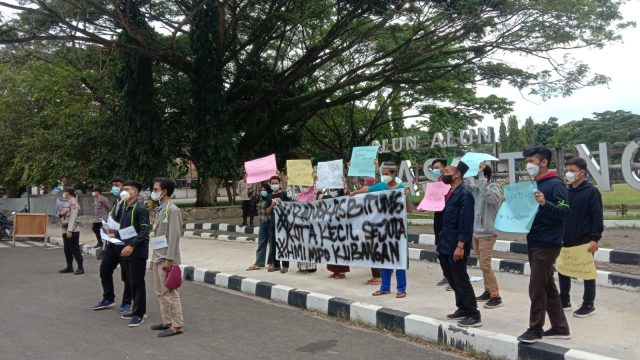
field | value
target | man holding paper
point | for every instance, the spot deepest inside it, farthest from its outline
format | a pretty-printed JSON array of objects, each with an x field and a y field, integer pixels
[
  {"x": 584, "y": 227},
  {"x": 544, "y": 241},
  {"x": 165, "y": 243}
]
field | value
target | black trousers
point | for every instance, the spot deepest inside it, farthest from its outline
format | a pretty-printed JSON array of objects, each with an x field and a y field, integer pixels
[
  {"x": 588, "y": 297},
  {"x": 110, "y": 260},
  {"x": 72, "y": 249},
  {"x": 543, "y": 292},
  {"x": 271, "y": 259},
  {"x": 456, "y": 274},
  {"x": 96, "y": 230},
  {"x": 136, "y": 270}
]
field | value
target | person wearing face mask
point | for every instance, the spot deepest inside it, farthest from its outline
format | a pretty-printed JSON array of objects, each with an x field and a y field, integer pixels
[
  {"x": 165, "y": 244},
  {"x": 134, "y": 232},
  {"x": 274, "y": 199},
  {"x": 308, "y": 194},
  {"x": 111, "y": 255},
  {"x": 389, "y": 174},
  {"x": 455, "y": 241},
  {"x": 488, "y": 198},
  {"x": 544, "y": 242},
  {"x": 101, "y": 208},
  {"x": 71, "y": 233},
  {"x": 263, "y": 233},
  {"x": 584, "y": 226},
  {"x": 437, "y": 166}
]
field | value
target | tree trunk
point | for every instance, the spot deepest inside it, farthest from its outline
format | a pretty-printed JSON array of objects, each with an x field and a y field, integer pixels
[
  {"x": 207, "y": 191},
  {"x": 230, "y": 197}
]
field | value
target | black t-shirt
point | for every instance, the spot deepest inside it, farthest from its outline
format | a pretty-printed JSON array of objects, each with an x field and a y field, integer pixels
[{"x": 281, "y": 195}]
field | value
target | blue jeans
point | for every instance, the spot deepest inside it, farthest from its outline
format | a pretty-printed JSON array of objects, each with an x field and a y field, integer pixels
[
  {"x": 401, "y": 279},
  {"x": 263, "y": 239}
]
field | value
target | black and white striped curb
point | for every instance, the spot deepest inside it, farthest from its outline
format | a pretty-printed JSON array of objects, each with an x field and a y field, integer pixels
[
  {"x": 212, "y": 236},
  {"x": 496, "y": 345},
  {"x": 223, "y": 227}
]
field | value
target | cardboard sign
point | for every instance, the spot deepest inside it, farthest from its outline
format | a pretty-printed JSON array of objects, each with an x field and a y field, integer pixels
[
  {"x": 519, "y": 208},
  {"x": 362, "y": 158},
  {"x": 260, "y": 169},
  {"x": 300, "y": 172},
  {"x": 577, "y": 262}
]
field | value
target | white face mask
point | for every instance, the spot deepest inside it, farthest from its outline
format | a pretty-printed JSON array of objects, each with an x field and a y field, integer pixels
[
  {"x": 94, "y": 194},
  {"x": 386, "y": 178},
  {"x": 571, "y": 177},
  {"x": 533, "y": 169},
  {"x": 333, "y": 194},
  {"x": 156, "y": 196},
  {"x": 124, "y": 195}
]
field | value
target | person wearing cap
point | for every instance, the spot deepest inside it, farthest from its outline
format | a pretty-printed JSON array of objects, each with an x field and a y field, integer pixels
[
  {"x": 454, "y": 244},
  {"x": 71, "y": 233},
  {"x": 134, "y": 233},
  {"x": 488, "y": 198},
  {"x": 111, "y": 254},
  {"x": 389, "y": 174},
  {"x": 101, "y": 208}
]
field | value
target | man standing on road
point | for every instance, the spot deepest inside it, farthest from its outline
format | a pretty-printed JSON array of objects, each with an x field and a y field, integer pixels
[
  {"x": 437, "y": 166},
  {"x": 165, "y": 243},
  {"x": 134, "y": 232},
  {"x": 488, "y": 197},
  {"x": 544, "y": 241},
  {"x": 111, "y": 254},
  {"x": 454, "y": 245},
  {"x": 584, "y": 226},
  {"x": 71, "y": 233},
  {"x": 101, "y": 208}
]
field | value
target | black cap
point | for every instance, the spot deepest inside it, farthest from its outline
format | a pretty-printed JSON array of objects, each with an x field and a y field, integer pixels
[
  {"x": 462, "y": 167},
  {"x": 120, "y": 179}
]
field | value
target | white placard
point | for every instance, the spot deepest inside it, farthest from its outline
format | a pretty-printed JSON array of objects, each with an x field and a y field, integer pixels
[
  {"x": 366, "y": 230},
  {"x": 127, "y": 233},
  {"x": 158, "y": 242},
  {"x": 330, "y": 175}
]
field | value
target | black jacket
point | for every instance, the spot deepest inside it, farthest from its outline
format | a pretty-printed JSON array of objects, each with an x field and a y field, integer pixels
[
  {"x": 547, "y": 229},
  {"x": 457, "y": 222},
  {"x": 585, "y": 222},
  {"x": 140, "y": 216}
]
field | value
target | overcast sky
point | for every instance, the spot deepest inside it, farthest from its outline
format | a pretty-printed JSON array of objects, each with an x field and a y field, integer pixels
[{"x": 619, "y": 61}]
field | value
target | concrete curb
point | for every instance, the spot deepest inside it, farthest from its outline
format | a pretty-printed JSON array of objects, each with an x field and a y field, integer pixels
[
  {"x": 608, "y": 224},
  {"x": 496, "y": 345},
  {"x": 604, "y": 255}
]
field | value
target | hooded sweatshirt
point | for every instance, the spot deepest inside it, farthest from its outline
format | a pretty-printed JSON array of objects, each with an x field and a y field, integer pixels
[
  {"x": 585, "y": 221},
  {"x": 488, "y": 198},
  {"x": 547, "y": 230}
]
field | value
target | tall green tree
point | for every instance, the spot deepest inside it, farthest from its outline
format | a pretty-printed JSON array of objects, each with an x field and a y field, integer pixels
[
  {"x": 528, "y": 133},
  {"x": 502, "y": 133},
  {"x": 514, "y": 138}
]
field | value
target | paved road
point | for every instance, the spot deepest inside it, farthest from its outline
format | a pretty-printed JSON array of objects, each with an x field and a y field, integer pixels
[{"x": 46, "y": 315}]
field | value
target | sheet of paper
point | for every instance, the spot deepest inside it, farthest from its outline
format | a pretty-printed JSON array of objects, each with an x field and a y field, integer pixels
[
  {"x": 127, "y": 233},
  {"x": 434, "y": 194},
  {"x": 577, "y": 262},
  {"x": 158, "y": 242},
  {"x": 260, "y": 169},
  {"x": 519, "y": 208},
  {"x": 112, "y": 224},
  {"x": 473, "y": 160},
  {"x": 362, "y": 158},
  {"x": 330, "y": 175},
  {"x": 300, "y": 172}
]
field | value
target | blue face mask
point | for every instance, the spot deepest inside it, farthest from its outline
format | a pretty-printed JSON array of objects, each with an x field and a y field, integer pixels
[
  {"x": 116, "y": 191},
  {"x": 275, "y": 187},
  {"x": 436, "y": 173},
  {"x": 264, "y": 194}
]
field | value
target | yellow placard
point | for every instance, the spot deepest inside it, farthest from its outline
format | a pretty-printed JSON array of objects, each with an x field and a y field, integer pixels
[
  {"x": 300, "y": 172},
  {"x": 577, "y": 262}
]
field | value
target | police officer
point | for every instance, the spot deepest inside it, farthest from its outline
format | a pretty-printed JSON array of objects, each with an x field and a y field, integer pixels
[{"x": 71, "y": 232}]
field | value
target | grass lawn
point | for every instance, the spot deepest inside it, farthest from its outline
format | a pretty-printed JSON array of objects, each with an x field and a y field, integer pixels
[{"x": 621, "y": 194}]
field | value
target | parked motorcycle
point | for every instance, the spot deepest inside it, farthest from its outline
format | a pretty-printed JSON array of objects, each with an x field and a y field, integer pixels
[{"x": 6, "y": 226}]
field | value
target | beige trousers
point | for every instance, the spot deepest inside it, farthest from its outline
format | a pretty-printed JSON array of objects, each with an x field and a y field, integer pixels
[
  {"x": 483, "y": 247},
  {"x": 170, "y": 306}
]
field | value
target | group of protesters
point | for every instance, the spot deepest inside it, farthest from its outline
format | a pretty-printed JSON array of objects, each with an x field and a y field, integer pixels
[
  {"x": 569, "y": 214},
  {"x": 125, "y": 232}
]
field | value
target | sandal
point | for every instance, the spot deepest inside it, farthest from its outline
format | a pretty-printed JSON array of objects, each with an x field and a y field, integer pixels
[
  {"x": 401, "y": 295},
  {"x": 380, "y": 293},
  {"x": 253, "y": 267},
  {"x": 340, "y": 277}
]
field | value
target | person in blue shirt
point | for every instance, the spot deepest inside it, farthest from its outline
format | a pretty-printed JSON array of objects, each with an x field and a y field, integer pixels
[{"x": 389, "y": 182}]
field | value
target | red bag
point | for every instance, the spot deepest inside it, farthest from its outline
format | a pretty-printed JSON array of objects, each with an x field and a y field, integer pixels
[{"x": 174, "y": 278}]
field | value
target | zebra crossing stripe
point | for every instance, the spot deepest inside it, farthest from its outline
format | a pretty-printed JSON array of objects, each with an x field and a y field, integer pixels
[
  {"x": 19, "y": 244},
  {"x": 35, "y": 243},
  {"x": 3, "y": 245}
]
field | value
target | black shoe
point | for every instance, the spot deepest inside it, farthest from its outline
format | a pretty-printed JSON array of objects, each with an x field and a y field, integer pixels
[
  {"x": 457, "y": 315},
  {"x": 66, "y": 271},
  {"x": 169, "y": 332},
  {"x": 567, "y": 307},
  {"x": 160, "y": 327},
  {"x": 529, "y": 337},
  {"x": 585, "y": 311},
  {"x": 486, "y": 295},
  {"x": 554, "y": 334},
  {"x": 494, "y": 302},
  {"x": 470, "y": 321},
  {"x": 243, "y": 224},
  {"x": 79, "y": 272}
]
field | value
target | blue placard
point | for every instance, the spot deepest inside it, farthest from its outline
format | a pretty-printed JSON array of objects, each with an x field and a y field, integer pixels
[
  {"x": 362, "y": 158},
  {"x": 519, "y": 208}
]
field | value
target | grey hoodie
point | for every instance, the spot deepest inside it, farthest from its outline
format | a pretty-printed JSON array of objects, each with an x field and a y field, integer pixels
[{"x": 488, "y": 197}]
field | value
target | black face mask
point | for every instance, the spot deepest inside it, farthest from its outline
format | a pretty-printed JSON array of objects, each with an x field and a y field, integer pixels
[{"x": 447, "y": 179}]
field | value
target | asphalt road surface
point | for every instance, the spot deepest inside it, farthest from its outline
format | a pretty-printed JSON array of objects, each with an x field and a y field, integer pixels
[{"x": 46, "y": 315}]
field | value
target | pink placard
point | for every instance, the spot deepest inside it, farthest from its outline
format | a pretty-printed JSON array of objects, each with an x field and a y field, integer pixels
[
  {"x": 260, "y": 169},
  {"x": 434, "y": 194}
]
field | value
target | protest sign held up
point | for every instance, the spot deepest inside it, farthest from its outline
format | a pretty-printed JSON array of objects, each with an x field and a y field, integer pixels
[
  {"x": 519, "y": 208},
  {"x": 577, "y": 262},
  {"x": 367, "y": 230},
  {"x": 434, "y": 194},
  {"x": 362, "y": 158},
  {"x": 300, "y": 172},
  {"x": 330, "y": 175},
  {"x": 260, "y": 169}
]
